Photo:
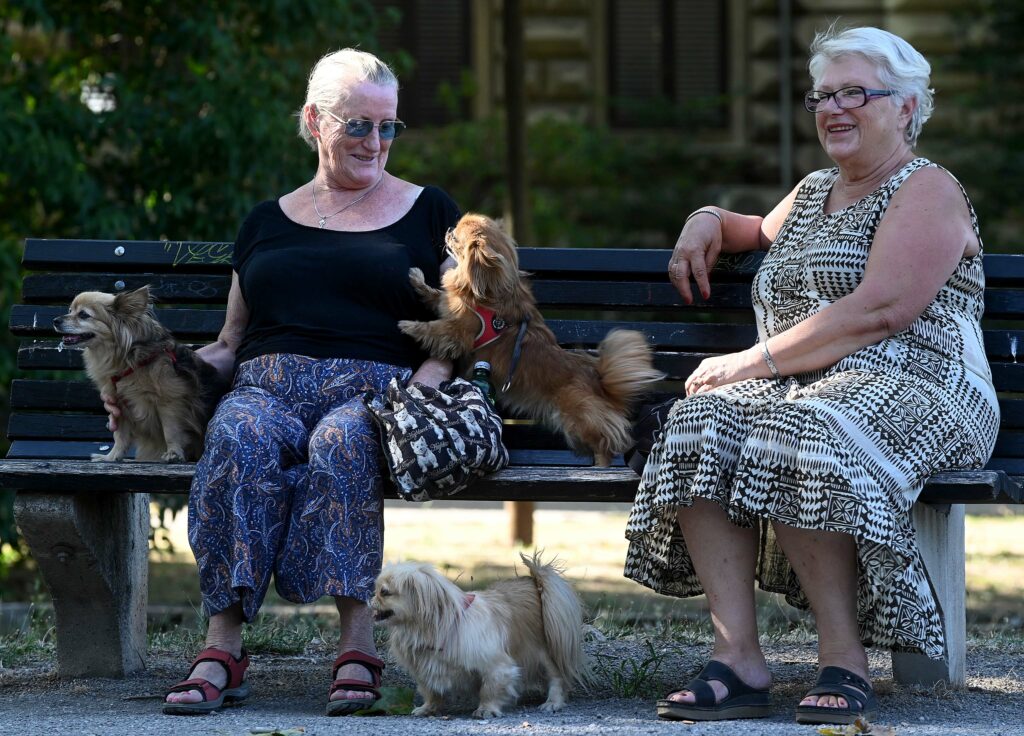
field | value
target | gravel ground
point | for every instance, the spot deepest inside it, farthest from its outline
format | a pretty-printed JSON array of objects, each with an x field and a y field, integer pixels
[{"x": 290, "y": 693}]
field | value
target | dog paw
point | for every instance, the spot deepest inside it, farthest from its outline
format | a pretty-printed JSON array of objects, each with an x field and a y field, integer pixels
[
  {"x": 173, "y": 455},
  {"x": 99, "y": 457},
  {"x": 550, "y": 706},
  {"x": 416, "y": 277},
  {"x": 487, "y": 711},
  {"x": 407, "y": 326},
  {"x": 423, "y": 710}
]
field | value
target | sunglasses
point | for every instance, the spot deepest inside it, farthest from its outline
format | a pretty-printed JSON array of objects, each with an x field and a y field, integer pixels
[{"x": 357, "y": 128}]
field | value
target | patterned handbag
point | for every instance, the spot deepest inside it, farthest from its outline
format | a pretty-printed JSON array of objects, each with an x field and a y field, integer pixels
[{"x": 436, "y": 442}]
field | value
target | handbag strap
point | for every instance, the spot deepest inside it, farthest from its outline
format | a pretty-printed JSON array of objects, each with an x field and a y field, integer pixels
[{"x": 517, "y": 352}]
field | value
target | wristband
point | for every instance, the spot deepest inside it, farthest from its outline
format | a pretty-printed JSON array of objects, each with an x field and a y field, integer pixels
[
  {"x": 768, "y": 359},
  {"x": 705, "y": 211}
]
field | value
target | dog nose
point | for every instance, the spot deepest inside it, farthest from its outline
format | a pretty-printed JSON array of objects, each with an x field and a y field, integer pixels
[{"x": 56, "y": 322}]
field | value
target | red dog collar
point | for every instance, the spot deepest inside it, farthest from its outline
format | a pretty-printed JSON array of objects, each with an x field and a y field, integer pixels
[
  {"x": 491, "y": 327},
  {"x": 143, "y": 364}
]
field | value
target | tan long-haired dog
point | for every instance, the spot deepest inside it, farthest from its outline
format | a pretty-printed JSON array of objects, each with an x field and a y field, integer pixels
[
  {"x": 165, "y": 391},
  {"x": 516, "y": 635},
  {"x": 587, "y": 398}
]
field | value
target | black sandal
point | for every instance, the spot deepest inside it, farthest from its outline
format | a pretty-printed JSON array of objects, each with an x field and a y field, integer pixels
[
  {"x": 742, "y": 701},
  {"x": 860, "y": 698}
]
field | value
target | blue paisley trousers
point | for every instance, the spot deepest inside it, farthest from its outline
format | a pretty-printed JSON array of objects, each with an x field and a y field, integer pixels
[{"x": 289, "y": 484}]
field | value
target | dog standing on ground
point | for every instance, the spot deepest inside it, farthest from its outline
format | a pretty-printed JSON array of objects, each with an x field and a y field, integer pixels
[
  {"x": 486, "y": 294},
  {"x": 166, "y": 392},
  {"x": 516, "y": 634}
]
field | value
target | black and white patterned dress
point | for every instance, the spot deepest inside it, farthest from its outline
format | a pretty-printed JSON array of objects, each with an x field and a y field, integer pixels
[{"x": 845, "y": 448}]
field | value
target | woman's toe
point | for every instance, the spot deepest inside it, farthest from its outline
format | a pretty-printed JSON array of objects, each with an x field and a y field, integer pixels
[{"x": 682, "y": 696}]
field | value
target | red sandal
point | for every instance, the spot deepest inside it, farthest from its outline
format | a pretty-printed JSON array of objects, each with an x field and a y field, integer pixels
[
  {"x": 235, "y": 690},
  {"x": 347, "y": 706}
]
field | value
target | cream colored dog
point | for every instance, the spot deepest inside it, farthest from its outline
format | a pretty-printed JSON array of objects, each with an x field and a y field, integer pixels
[{"x": 517, "y": 634}]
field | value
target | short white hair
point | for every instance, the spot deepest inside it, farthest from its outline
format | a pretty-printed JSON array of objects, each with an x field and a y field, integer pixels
[
  {"x": 333, "y": 77},
  {"x": 901, "y": 67}
]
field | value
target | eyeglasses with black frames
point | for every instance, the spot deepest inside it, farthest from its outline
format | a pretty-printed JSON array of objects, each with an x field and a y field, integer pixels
[
  {"x": 358, "y": 128},
  {"x": 846, "y": 98}
]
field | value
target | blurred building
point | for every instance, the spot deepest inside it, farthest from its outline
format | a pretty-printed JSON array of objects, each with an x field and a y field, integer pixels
[{"x": 712, "y": 69}]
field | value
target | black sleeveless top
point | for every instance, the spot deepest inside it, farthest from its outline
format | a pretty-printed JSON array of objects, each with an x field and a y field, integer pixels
[{"x": 330, "y": 294}]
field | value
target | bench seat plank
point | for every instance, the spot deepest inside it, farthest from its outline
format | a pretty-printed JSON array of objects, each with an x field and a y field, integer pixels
[{"x": 528, "y": 482}]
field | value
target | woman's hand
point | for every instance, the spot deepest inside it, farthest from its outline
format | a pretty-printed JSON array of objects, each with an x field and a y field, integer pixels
[
  {"x": 725, "y": 369},
  {"x": 695, "y": 254},
  {"x": 432, "y": 372},
  {"x": 113, "y": 410}
]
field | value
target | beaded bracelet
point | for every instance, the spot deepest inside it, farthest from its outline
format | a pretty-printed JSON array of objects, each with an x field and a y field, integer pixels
[
  {"x": 768, "y": 359},
  {"x": 706, "y": 211}
]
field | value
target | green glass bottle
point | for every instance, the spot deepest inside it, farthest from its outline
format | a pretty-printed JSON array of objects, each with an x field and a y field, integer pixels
[{"x": 482, "y": 379}]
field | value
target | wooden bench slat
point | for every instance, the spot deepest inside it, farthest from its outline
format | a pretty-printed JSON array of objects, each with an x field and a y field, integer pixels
[
  {"x": 174, "y": 288},
  {"x": 129, "y": 255},
  {"x": 93, "y": 428},
  {"x": 133, "y": 255},
  {"x": 29, "y": 421},
  {"x": 55, "y": 449},
  {"x": 536, "y": 483},
  {"x": 82, "y": 255},
  {"x": 61, "y": 288},
  {"x": 42, "y": 354},
  {"x": 29, "y": 320}
]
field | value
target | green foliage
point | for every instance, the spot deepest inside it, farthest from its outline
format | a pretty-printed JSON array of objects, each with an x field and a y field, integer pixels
[
  {"x": 192, "y": 112},
  {"x": 589, "y": 186},
  {"x": 33, "y": 641},
  {"x": 988, "y": 150}
]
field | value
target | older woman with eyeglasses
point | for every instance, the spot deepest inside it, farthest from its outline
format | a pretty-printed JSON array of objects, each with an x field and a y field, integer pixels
[
  {"x": 795, "y": 463},
  {"x": 289, "y": 484}
]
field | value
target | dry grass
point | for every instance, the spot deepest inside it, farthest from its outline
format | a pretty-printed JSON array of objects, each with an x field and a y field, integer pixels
[{"x": 472, "y": 546}]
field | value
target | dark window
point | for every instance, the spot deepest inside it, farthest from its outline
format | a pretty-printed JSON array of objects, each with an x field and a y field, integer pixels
[
  {"x": 667, "y": 62},
  {"x": 436, "y": 36}
]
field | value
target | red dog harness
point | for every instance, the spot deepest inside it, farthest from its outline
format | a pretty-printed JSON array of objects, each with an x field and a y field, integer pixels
[
  {"x": 143, "y": 364},
  {"x": 491, "y": 327}
]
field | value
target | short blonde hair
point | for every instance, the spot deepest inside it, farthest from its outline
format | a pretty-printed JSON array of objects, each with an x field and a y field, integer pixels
[
  {"x": 333, "y": 77},
  {"x": 901, "y": 67}
]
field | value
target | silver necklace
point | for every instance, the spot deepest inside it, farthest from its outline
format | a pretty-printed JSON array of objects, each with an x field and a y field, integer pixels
[{"x": 324, "y": 218}]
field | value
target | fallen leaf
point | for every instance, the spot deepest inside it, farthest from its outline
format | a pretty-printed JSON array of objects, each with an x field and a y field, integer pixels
[{"x": 393, "y": 701}]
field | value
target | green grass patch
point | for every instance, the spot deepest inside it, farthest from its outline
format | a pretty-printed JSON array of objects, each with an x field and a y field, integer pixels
[{"x": 34, "y": 641}]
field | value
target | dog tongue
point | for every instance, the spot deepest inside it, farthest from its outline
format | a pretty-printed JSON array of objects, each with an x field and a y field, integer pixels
[{"x": 70, "y": 339}]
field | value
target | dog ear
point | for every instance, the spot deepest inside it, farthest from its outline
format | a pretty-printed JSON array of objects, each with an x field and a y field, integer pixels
[{"x": 133, "y": 302}]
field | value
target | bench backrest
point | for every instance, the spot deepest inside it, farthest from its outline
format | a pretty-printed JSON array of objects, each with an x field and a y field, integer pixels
[{"x": 583, "y": 293}]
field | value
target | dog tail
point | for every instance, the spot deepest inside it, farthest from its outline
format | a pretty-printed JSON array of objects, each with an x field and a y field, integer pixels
[
  {"x": 625, "y": 364},
  {"x": 562, "y": 616}
]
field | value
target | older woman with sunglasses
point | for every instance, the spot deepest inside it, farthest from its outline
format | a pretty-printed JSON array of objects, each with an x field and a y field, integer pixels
[
  {"x": 795, "y": 463},
  {"x": 289, "y": 484}
]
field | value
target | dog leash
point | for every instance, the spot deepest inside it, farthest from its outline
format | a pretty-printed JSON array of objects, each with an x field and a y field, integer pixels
[
  {"x": 517, "y": 352},
  {"x": 143, "y": 364}
]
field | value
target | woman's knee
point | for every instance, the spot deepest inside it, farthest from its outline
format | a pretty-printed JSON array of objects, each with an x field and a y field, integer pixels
[{"x": 344, "y": 435}]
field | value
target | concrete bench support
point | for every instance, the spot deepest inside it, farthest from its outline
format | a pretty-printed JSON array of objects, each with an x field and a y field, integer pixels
[
  {"x": 92, "y": 551},
  {"x": 940, "y": 535}
]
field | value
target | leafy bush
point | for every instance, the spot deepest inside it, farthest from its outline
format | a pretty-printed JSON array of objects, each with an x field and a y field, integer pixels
[{"x": 588, "y": 185}]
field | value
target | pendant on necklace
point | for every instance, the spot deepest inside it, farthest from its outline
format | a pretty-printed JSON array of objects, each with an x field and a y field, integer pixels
[{"x": 323, "y": 221}]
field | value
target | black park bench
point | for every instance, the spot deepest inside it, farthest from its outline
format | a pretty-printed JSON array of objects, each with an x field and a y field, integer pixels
[{"x": 87, "y": 524}]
